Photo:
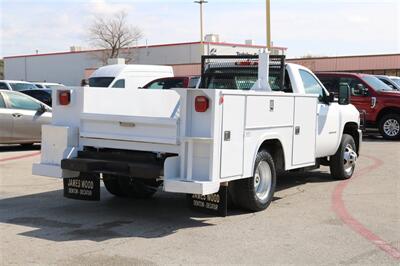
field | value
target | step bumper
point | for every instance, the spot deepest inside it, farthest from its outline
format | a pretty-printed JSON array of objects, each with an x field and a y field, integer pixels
[{"x": 191, "y": 187}]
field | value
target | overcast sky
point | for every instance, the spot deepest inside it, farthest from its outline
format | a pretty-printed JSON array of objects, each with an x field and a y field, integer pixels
[{"x": 315, "y": 27}]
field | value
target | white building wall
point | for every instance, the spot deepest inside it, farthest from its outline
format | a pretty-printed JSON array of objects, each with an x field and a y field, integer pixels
[
  {"x": 169, "y": 55},
  {"x": 66, "y": 68},
  {"x": 69, "y": 68}
]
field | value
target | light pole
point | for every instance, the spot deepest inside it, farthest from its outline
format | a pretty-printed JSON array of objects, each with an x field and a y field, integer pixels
[
  {"x": 268, "y": 23},
  {"x": 201, "y": 2}
]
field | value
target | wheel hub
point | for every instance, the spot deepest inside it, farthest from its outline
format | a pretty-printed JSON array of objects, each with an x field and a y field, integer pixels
[
  {"x": 391, "y": 127},
  {"x": 262, "y": 180},
  {"x": 349, "y": 159}
]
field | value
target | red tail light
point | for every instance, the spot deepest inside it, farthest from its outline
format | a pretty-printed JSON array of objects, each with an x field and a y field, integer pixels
[
  {"x": 64, "y": 97},
  {"x": 201, "y": 104}
]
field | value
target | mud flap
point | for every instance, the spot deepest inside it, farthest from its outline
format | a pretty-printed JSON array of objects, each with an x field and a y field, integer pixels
[
  {"x": 84, "y": 187},
  {"x": 214, "y": 204}
]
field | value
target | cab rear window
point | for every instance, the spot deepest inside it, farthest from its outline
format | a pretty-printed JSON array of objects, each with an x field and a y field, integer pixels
[
  {"x": 101, "y": 82},
  {"x": 237, "y": 79}
]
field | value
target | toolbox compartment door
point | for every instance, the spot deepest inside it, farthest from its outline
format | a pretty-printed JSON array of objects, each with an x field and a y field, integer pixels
[
  {"x": 304, "y": 131},
  {"x": 232, "y": 136}
]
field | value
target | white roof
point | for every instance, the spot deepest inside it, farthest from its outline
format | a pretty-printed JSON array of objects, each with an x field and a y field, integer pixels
[
  {"x": 115, "y": 70},
  {"x": 16, "y": 81},
  {"x": 46, "y": 83},
  {"x": 385, "y": 76}
]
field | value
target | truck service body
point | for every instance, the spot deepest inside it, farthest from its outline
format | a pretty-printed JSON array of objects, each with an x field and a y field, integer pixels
[{"x": 196, "y": 141}]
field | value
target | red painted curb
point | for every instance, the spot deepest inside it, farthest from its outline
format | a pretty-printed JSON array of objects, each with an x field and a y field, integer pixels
[
  {"x": 20, "y": 157},
  {"x": 339, "y": 208}
]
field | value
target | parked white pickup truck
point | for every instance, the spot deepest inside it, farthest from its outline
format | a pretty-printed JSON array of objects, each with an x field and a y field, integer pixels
[{"x": 237, "y": 133}]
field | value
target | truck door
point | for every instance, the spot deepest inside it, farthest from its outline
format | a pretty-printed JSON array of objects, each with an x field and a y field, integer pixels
[
  {"x": 232, "y": 136},
  {"x": 327, "y": 117},
  {"x": 358, "y": 99}
]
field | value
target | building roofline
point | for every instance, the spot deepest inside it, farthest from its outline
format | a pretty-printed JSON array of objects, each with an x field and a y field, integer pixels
[
  {"x": 148, "y": 46},
  {"x": 347, "y": 73},
  {"x": 343, "y": 56}
]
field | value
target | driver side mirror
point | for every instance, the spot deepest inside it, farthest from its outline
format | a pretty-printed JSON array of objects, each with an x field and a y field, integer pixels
[
  {"x": 362, "y": 90},
  {"x": 344, "y": 94},
  {"x": 331, "y": 97},
  {"x": 365, "y": 92}
]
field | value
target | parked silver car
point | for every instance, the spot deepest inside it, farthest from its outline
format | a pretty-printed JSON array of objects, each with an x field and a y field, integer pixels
[
  {"x": 391, "y": 81},
  {"x": 48, "y": 85},
  {"x": 21, "y": 118},
  {"x": 16, "y": 85}
]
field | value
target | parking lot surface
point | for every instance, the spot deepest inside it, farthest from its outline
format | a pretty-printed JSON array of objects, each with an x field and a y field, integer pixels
[{"x": 313, "y": 220}]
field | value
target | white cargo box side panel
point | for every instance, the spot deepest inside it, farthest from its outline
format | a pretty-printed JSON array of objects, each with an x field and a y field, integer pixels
[
  {"x": 232, "y": 135},
  {"x": 269, "y": 111},
  {"x": 268, "y": 117},
  {"x": 304, "y": 135},
  {"x": 59, "y": 142},
  {"x": 254, "y": 139}
]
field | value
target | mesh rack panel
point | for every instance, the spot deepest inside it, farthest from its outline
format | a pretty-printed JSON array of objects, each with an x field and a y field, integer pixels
[{"x": 239, "y": 72}]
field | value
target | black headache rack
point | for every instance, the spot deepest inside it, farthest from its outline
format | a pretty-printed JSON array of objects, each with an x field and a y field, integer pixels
[{"x": 239, "y": 71}]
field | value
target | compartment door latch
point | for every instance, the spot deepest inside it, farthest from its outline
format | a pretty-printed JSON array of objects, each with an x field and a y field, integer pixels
[{"x": 227, "y": 135}]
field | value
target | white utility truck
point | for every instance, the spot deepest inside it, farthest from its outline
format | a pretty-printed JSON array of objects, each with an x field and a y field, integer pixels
[
  {"x": 128, "y": 76},
  {"x": 256, "y": 116}
]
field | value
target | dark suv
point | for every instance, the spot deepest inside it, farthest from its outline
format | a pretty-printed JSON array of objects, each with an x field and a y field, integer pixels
[{"x": 379, "y": 102}]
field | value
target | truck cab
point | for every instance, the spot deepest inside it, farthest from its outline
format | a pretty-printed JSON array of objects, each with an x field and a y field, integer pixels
[{"x": 372, "y": 97}]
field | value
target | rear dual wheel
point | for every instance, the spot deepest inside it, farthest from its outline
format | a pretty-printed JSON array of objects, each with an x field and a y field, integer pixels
[
  {"x": 121, "y": 186},
  {"x": 256, "y": 193}
]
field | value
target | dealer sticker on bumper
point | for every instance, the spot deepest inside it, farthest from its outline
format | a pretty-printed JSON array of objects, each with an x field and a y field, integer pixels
[{"x": 83, "y": 187}]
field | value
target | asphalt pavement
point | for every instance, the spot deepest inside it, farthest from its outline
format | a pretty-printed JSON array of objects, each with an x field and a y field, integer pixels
[{"x": 314, "y": 219}]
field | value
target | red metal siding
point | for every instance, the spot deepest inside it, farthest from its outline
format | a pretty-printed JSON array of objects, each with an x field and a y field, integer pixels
[
  {"x": 187, "y": 70},
  {"x": 351, "y": 63}
]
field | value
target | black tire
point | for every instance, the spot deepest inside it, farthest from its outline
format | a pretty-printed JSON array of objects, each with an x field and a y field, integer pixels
[
  {"x": 244, "y": 192},
  {"x": 137, "y": 188},
  {"x": 393, "y": 122},
  {"x": 342, "y": 168},
  {"x": 112, "y": 185}
]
